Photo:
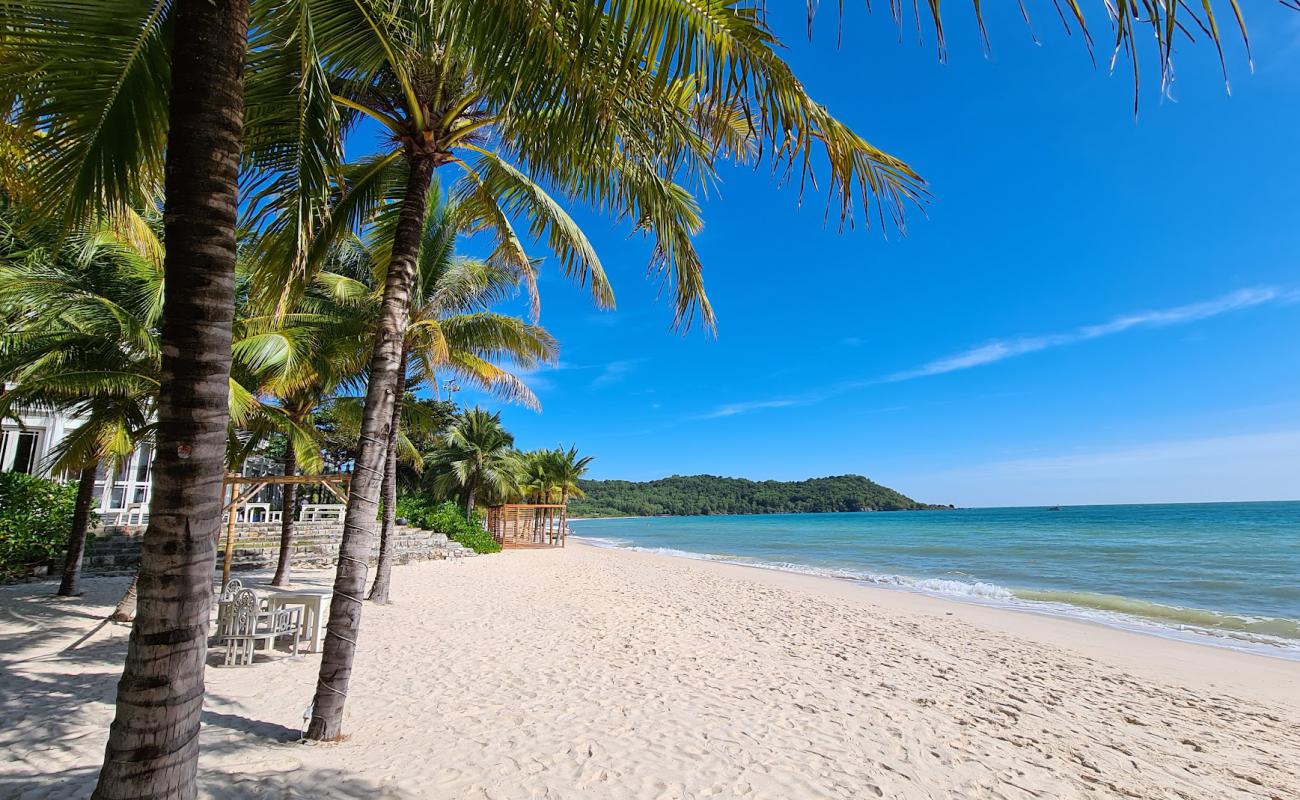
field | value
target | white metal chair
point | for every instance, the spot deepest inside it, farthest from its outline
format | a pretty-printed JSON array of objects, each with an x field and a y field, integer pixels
[
  {"x": 243, "y": 624},
  {"x": 223, "y": 601}
]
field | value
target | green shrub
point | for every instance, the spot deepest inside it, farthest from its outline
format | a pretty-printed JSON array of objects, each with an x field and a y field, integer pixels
[
  {"x": 35, "y": 519},
  {"x": 447, "y": 518}
]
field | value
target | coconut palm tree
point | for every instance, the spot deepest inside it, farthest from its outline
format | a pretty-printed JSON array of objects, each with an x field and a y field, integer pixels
[
  {"x": 130, "y": 98},
  {"x": 477, "y": 457},
  {"x": 81, "y": 338},
  {"x": 551, "y": 476},
  {"x": 451, "y": 331},
  {"x": 536, "y": 476},
  {"x": 567, "y": 468},
  {"x": 296, "y": 363}
]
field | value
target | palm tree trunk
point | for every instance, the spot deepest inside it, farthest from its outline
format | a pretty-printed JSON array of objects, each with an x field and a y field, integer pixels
[
  {"x": 288, "y": 505},
  {"x": 469, "y": 500},
  {"x": 77, "y": 536},
  {"x": 363, "y": 501},
  {"x": 125, "y": 609},
  {"x": 388, "y": 532},
  {"x": 153, "y": 744},
  {"x": 564, "y": 515}
]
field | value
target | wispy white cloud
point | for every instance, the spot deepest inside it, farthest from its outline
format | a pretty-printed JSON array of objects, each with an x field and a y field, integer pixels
[
  {"x": 732, "y": 409},
  {"x": 1002, "y": 349},
  {"x": 613, "y": 372}
]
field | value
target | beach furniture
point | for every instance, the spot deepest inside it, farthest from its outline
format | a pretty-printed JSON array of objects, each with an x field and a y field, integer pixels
[
  {"x": 320, "y": 512},
  {"x": 310, "y": 606},
  {"x": 242, "y": 623}
]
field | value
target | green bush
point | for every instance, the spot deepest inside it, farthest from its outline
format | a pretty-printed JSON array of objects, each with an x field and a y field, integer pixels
[
  {"x": 447, "y": 518},
  {"x": 35, "y": 519}
]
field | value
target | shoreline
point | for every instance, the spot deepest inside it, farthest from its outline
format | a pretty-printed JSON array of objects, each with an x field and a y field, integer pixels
[
  {"x": 1264, "y": 676},
  {"x": 1265, "y": 634}
]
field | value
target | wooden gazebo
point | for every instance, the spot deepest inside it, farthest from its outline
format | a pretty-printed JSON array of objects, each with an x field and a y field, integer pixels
[{"x": 528, "y": 524}]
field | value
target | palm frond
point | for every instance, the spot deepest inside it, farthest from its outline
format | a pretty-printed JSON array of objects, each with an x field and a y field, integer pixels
[{"x": 94, "y": 78}]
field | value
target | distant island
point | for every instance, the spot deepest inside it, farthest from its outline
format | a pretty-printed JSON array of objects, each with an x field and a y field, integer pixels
[{"x": 695, "y": 495}]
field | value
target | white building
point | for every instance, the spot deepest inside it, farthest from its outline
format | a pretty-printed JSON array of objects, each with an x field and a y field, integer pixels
[{"x": 26, "y": 445}]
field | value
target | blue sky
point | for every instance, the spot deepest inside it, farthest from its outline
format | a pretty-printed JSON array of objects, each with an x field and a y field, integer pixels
[{"x": 1093, "y": 308}]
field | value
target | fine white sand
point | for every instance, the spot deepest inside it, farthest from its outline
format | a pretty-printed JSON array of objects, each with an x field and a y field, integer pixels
[{"x": 588, "y": 673}]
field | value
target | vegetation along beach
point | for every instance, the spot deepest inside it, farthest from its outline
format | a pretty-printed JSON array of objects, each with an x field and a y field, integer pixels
[{"x": 649, "y": 399}]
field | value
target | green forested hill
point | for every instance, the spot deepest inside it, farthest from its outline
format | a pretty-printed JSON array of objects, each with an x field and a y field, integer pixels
[{"x": 689, "y": 495}]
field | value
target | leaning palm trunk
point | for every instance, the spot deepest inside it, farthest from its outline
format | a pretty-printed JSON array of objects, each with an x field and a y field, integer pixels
[
  {"x": 388, "y": 531},
  {"x": 153, "y": 744},
  {"x": 77, "y": 536},
  {"x": 124, "y": 611},
  {"x": 287, "y": 509},
  {"x": 377, "y": 418}
]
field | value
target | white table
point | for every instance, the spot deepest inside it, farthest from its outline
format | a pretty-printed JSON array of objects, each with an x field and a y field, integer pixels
[{"x": 313, "y": 602}]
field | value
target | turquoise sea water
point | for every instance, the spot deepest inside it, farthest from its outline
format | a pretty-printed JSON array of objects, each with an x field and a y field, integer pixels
[{"x": 1226, "y": 573}]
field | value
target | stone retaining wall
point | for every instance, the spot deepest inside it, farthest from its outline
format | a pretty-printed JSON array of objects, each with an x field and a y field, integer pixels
[{"x": 116, "y": 549}]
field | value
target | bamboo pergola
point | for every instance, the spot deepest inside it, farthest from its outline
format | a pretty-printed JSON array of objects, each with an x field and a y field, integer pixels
[
  {"x": 336, "y": 485},
  {"x": 528, "y": 524}
]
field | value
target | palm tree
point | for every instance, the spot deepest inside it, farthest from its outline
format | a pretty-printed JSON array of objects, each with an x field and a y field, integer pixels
[
  {"x": 125, "y": 113},
  {"x": 510, "y": 101},
  {"x": 153, "y": 754},
  {"x": 567, "y": 468},
  {"x": 536, "y": 476},
  {"x": 451, "y": 331},
  {"x": 296, "y": 363},
  {"x": 477, "y": 458},
  {"x": 81, "y": 339},
  {"x": 550, "y": 476}
]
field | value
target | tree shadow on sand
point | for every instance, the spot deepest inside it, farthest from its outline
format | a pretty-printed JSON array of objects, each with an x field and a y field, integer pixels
[
  {"x": 59, "y": 669},
  {"x": 32, "y": 613},
  {"x": 301, "y": 783}
]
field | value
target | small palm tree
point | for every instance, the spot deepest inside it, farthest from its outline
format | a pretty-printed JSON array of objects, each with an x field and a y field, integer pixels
[
  {"x": 83, "y": 313},
  {"x": 567, "y": 469},
  {"x": 536, "y": 479},
  {"x": 82, "y": 339},
  {"x": 477, "y": 458},
  {"x": 296, "y": 363}
]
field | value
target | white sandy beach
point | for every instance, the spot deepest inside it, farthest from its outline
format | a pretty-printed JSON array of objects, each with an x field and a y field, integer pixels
[{"x": 589, "y": 673}]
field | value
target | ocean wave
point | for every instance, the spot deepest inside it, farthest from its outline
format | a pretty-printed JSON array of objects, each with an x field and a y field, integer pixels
[
  {"x": 1263, "y": 634},
  {"x": 1196, "y": 619}
]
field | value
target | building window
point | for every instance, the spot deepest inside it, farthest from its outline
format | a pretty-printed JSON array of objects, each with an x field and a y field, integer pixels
[
  {"x": 18, "y": 451},
  {"x": 142, "y": 460}
]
